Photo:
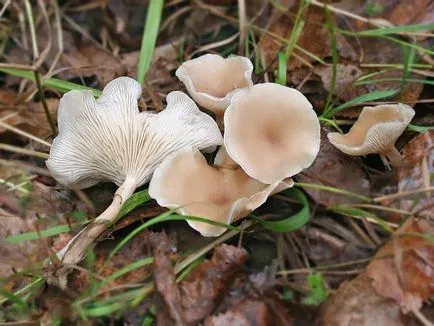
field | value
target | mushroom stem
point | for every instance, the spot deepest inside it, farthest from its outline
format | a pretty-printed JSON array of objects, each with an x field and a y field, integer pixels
[
  {"x": 393, "y": 156},
  {"x": 77, "y": 247}
]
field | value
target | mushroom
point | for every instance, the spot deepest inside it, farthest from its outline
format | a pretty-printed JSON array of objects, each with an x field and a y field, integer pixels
[
  {"x": 108, "y": 139},
  {"x": 271, "y": 131},
  {"x": 376, "y": 131},
  {"x": 212, "y": 80},
  {"x": 222, "y": 193}
]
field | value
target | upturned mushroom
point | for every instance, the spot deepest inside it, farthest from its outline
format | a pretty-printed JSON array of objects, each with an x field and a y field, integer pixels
[
  {"x": 222, "y": 193},
  {"x": 108, "y": 139},
  {"x": 212, "y": 80},
  {"x": 375, "y": 132},
  {"x": 271, "y": 131}
]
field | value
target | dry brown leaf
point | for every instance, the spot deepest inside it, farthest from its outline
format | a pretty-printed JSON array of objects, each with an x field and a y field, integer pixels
[
  {"x": 345, "y": 75},
  {"x": 398, "y": 280},
  {"x": 134, "y": 250},
  {"x": 23, "y": 212},
  {"x": 246, "y": 313},
  {"x": 29, "y": 117},
  {"x": 252, "y": 300},
  {"x": 336, "y": 169},
  {"x": 204, "y": 287},
  {"x": 415, "y": 173},
  {"x": 313, "y": 38},
  {"x": 90, "y": 60},
  {"x": 197, "y": 296}
]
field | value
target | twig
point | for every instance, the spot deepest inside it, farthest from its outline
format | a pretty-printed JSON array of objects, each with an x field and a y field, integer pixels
[
  {"x": 402, "y": 194},
  {"x": 24, "y": 134},
  {"x": 23, "y": 151},
  {"x": 242, "y": 17},
  {"x": 44, "y": 104}
]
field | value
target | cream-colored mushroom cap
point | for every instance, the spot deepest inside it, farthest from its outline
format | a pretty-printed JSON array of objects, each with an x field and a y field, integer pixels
[
  {"x": 108, "y": 139},
  {"x": 212, "y": 80},
  {"x": 271, "y": 131},
  {"x": 375, "y": 132},
  {"x": 185, "y": 181}
]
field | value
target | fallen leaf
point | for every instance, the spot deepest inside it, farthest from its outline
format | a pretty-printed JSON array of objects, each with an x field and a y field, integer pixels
[
  {"x": 398, "y": 280},
  {"x": 252, "y": 300},
  {"x": 31, "y": 207},
  {"x": 204, "y": 287},
  {"x": 335, "y": 169},
  {"x": 345, "y": 75},
  {"x": 246, "y": 313},
  {"x": 408, "y": 276},
  {"x": 415, "y": 173},
  {"x": 90, "y": 60},
  {"x": 165, "y": 283},
  {"x": 197, "y": 296},
  {"x": 313, "y": 39},
  {"x": 29, "y": 117}
]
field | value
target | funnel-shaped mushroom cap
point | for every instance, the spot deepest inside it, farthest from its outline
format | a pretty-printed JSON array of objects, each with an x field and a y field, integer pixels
[
  {"x": 271, "y": 131},
  {"x": 109, "y": 139},
  {"x": 212, "y": 80},
  {"x": 186, "y": 182},
  {"x": 375, "y": 131}
]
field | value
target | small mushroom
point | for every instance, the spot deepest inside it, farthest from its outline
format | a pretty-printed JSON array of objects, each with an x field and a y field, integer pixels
[
  {"x": 376, "y": 131},
  {"x": 108, "y": 139},
  {"x": 271, "y": 131},
  {"x": 222, "y": 193},
  {"x": 212, "y": 80}
]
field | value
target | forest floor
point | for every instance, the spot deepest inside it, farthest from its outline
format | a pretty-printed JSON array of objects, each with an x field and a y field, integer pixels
[{"x": 355, "y": 246}]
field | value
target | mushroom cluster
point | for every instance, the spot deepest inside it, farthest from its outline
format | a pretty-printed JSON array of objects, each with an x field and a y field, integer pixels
[{"x": 271, "y": 133}]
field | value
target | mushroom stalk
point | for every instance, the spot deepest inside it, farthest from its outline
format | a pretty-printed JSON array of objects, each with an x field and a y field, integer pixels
[
  {"x": 77, "y": 247},
  {"x": 393, "y": 156}
]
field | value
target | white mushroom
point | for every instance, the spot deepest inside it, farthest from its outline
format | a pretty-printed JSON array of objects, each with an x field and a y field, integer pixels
[
  {"x": 212, "y": 80},
  {"x": 376, "y": 131},
  {"x": 223, "y": 193},
  {"x": 110, "y": 140},
  {"x": 271, "y": 131}
]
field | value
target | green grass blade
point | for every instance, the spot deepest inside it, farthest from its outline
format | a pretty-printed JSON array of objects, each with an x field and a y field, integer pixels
[
  {"x": 54, "y": 83},
  {"x": 373, "y": 96},
  {"x": 333, "y": 190},
  {"x": 297, "y": 29},
  {"x": 352, "y": 211},
  {"x": 13, "y": 239},
  {"x": 295, "y": 221},
  {"x": 126, "y": 269},
  {"x": 332, "y": 37},
  {"x": 134, "y": 201},
  {"x": 167, "y": 216},
  {"x": 281, "y": 69},
  {"x": 420, "y": 129},
  {"x": 397, "y": 29},
  {"x": 150, "y": 32}
]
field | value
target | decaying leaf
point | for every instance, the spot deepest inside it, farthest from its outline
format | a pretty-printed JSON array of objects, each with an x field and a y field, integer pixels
[
  {"x": 28, "y": 206},
  {"x": 416, "y": 172},
  {"x": 335, "y": 169},
  {"x": 398, "y": 280},
  {"x": 29, "y": 117}
]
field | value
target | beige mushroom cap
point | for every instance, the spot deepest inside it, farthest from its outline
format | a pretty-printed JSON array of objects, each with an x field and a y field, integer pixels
[
  {"x": 375, "y": 131},
  {"x": 186, "y": 182},
  {"x": 271, "y": 131},
  {"x": 212, "y": 80},
  {"x": 108, "y": 139}
]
